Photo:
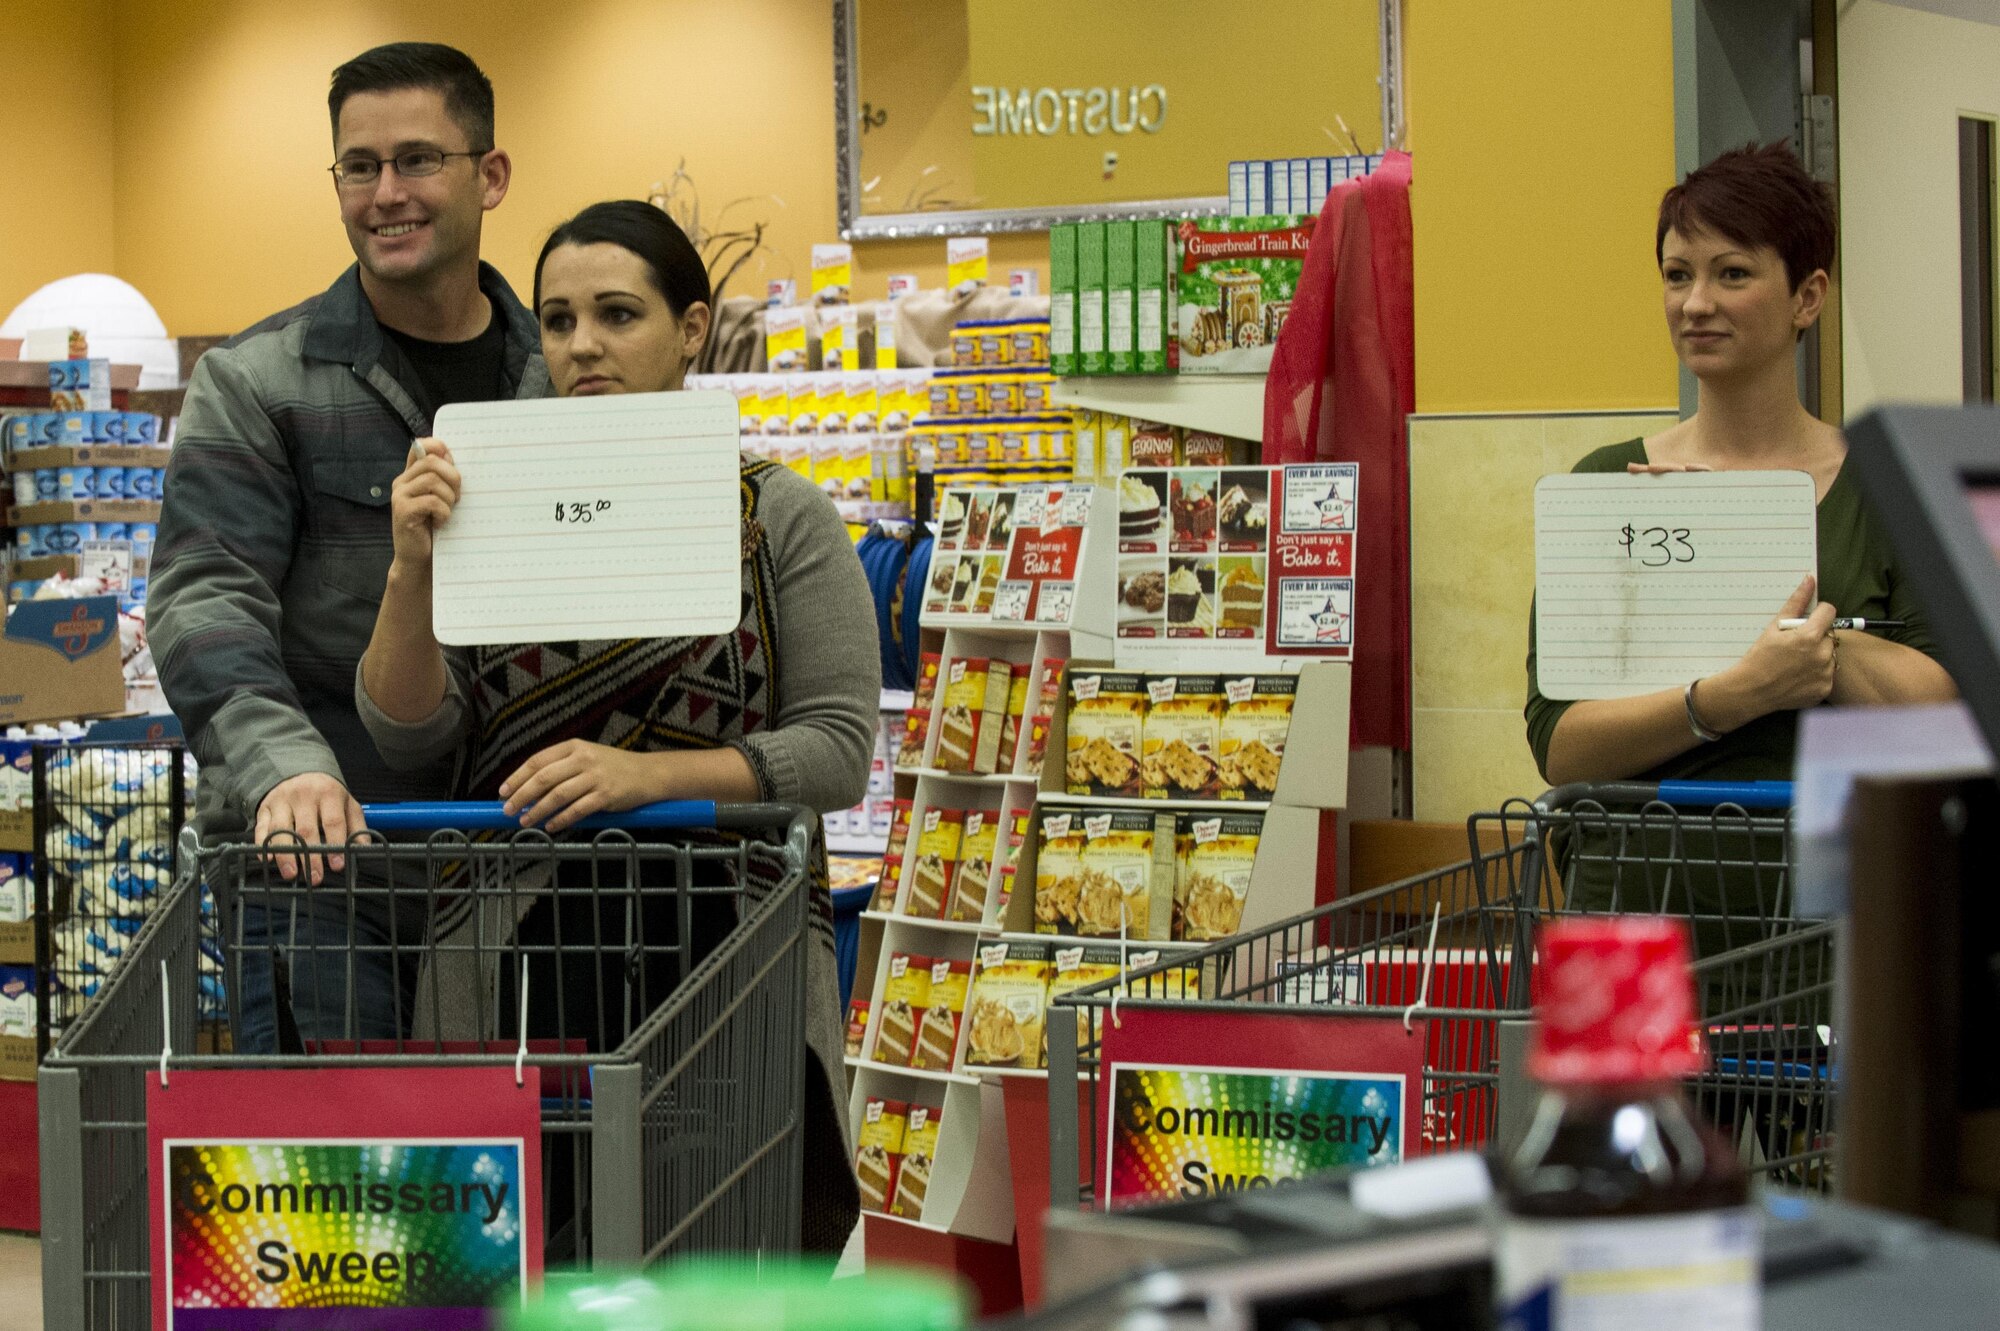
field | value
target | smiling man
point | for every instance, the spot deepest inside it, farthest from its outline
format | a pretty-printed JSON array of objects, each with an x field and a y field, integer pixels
[{"x": 275, "y": 543}]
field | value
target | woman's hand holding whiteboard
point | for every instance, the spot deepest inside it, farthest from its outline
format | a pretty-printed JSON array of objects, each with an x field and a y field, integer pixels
[
  {"x": 590, "y": 518},
  {"x": 1644, "y": 582}
]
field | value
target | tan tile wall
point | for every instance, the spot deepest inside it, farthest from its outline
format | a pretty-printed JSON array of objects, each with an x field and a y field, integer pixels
[{"x": 1472, "y": 568}]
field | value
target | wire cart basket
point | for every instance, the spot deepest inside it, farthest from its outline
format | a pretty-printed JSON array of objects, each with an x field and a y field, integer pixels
[
  {"x": 108, "y": 820},
  {"x": 659, "y": 979},
  {"x": 1449, "y": 947}
]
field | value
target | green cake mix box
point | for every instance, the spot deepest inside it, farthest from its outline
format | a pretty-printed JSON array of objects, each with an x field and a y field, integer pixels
[
  {"x": 1233, "y": 283},
  {"x": 1062, "y": 298},
  {"x": 1091, "y": 353}
]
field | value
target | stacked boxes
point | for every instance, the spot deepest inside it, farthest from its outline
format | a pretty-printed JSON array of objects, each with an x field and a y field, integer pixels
[
  {"x": 1120, "y": 290},
  {"x": 1062, "y": 300},
  {"x": 1091, "y": 274}
]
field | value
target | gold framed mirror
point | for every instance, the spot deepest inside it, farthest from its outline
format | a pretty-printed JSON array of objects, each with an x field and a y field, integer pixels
[{"x": 974, "y": 116}]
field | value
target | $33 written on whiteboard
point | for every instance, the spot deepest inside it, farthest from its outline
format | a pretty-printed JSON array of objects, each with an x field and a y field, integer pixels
[
  {"x": 590, "y": 518},
  {"x": 1643, "y": 583}
]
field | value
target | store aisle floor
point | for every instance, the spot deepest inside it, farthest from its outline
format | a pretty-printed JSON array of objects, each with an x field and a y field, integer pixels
[{"x": 21, "y": 1279}]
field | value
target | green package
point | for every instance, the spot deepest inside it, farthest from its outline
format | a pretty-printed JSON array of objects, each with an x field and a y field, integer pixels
[
  {"x": 1062, "y": 298},
  {"x": 1149, "y": 313},
  {"x": 1119, "y": 293},
  {"x": 1090, "y": 275}
]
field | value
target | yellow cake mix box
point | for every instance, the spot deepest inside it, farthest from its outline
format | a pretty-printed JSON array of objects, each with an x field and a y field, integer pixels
[
  {"x": 879, "y": 1138},
  {"x": 1183, "y": 732},
  {"x": 1217, "y": 854},
  {"x": 975, "y": 864},
  {"x": 1078, "y": 966},
  {"x": 1058, "y": 871},
  {"x": 920, "y": 1139},
  {"x": 937, "y": 1033},
  {"x": 1125, "y": 883},
  {"x": 931, "y": 869},
  {"x": 1256, "y": 719},
  {"x": 1010, "y": 858},
  {"x": 905, "y": 994},
  {"x": 1107, "y": 719},
  {"x": 1005, "y": 1011}
]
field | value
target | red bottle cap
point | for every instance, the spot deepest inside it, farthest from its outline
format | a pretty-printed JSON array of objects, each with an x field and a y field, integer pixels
[{"x": 1614, "y": 999}]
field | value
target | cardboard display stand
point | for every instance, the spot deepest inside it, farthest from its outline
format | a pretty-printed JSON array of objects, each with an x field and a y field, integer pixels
[{"x": 983, "y": 1152}]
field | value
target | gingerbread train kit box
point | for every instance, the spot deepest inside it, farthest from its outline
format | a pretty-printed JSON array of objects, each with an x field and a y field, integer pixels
[{"x": 1234, "y": 279}]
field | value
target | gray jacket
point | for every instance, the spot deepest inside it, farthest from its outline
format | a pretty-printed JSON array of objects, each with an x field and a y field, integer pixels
[{"x": 274, "y": 545}]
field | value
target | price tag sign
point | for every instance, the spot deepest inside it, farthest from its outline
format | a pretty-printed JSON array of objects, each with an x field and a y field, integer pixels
[{"x": 1643, "y": 583}]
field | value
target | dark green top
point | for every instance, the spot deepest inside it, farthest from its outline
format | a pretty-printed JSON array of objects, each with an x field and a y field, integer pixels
[{"x": 1857, "y": 573}]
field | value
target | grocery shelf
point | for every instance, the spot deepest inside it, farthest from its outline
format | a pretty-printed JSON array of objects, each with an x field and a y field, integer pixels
[
  {"x": 973, "y": 778},
  {"x": 1229, "y": 404},
  {"x": 856, "y": 845},
  {"x": 897, "y": 700},
  {"x": 905, "y": 1220},
  {"x": 921, "y": 1074},
  {"x": 1057, "y": 798},
  {"x": 926, "y": 922}
]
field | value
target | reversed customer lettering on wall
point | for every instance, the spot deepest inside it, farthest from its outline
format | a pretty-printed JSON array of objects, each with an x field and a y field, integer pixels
[{"x": 1052, "y": 111}]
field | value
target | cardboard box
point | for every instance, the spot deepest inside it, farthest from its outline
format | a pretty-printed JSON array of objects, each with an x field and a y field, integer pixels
[
  {"x": 59, "y": 661},
  {"x": 1149, "y": 309},
  {"x": 1233, "y": 283},
  {"x": 17, "y": 1059},
  {"x": 1091, "y": 349},
  {"x": 1120, "y": 291},
  {"x": 905, "y": 994}
]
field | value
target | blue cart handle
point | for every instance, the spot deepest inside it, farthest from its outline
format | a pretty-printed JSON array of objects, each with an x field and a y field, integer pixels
[
  {"x": 492, "y": 816},
  {"x": 1744, "y": 794}
]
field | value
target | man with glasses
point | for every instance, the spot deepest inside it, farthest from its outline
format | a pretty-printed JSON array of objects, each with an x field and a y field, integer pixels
[{"x": 274, "y": 544}]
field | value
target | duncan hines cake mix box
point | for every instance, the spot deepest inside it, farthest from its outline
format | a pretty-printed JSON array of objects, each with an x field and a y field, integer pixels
[{"x": 1233, "y": 283}]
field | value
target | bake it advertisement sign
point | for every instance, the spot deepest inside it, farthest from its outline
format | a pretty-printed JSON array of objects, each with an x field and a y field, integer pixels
[
  {"x": 429, "y": 1222},
  {"x": 1008, "y": 555},
  {"x": 1295, "y": 1096},
  {"x": 1237, "y": 562}
]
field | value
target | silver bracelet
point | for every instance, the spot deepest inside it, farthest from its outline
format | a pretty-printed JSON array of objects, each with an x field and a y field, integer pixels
[{"x": 1701, "y": 732}]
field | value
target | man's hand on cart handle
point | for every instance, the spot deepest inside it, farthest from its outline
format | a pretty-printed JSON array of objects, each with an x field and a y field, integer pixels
[
  {"x": 421, "y": 501},
  {"x": 318, "y": 810}
]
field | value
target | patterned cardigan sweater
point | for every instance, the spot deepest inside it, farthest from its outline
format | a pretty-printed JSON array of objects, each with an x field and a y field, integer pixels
[{"x": 796, "y": 688}]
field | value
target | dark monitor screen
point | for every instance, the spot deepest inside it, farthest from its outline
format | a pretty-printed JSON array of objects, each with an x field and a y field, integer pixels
[{"x": 1932, "y": 477}]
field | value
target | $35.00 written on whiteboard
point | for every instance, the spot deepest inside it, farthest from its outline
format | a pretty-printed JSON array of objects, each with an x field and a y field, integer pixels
[
  {"x": 590, "y": 518},
  {"x": 1643, "y": 583}
]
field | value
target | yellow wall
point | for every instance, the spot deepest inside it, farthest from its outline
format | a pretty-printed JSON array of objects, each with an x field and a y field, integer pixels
[
  {"x": 596, "y": 99},
  {"x": 1543, "y": 133},
  {"x": 1472, "y": 580},
  {"x": 1905, "y": 79},
  {"x": 55, "y": 217}
]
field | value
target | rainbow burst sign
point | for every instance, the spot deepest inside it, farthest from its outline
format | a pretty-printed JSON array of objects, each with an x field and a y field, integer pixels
[
  {"x": 294, "y": 1236},
  {"x": 1289, "y": 1096},
  {"x": 431, "y": 1222},
  {"x": 1182, "y": 1132}
]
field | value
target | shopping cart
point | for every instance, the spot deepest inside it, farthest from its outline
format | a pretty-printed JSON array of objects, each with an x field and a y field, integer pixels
[
  {"x": 108, "y": 818},
  {"x": 1444, "y": 947},
  {"x": 666, "y": 977}
]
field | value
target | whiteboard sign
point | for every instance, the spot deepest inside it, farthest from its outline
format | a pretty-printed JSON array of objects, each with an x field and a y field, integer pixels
[
  {"x": 590, "y": 518},
  {"x": 1643, "y": 583}
]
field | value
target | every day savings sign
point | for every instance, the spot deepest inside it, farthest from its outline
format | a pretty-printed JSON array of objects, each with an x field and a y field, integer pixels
[{"x": 408, "y": 1227}]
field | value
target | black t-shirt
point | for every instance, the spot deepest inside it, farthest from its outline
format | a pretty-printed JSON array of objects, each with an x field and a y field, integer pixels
[{"x": 469, "y": 371}]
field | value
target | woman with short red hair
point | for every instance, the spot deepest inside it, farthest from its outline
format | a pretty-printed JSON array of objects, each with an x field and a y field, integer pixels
[{"x": 1743, "y": 246}]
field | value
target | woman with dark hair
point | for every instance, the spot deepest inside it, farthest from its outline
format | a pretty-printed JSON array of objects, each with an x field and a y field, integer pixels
[
  {"x": 1743, "y": 246},
  {"x": 784, "y": 708}
]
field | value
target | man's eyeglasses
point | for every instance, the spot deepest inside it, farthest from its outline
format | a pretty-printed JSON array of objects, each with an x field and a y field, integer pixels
[{"x": 357, "y": 171}]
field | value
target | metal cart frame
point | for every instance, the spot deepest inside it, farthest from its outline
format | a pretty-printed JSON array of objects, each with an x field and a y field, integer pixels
[
  {"x": 1766, "y": 992},
  {"x": 672, "y": 1144}
]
